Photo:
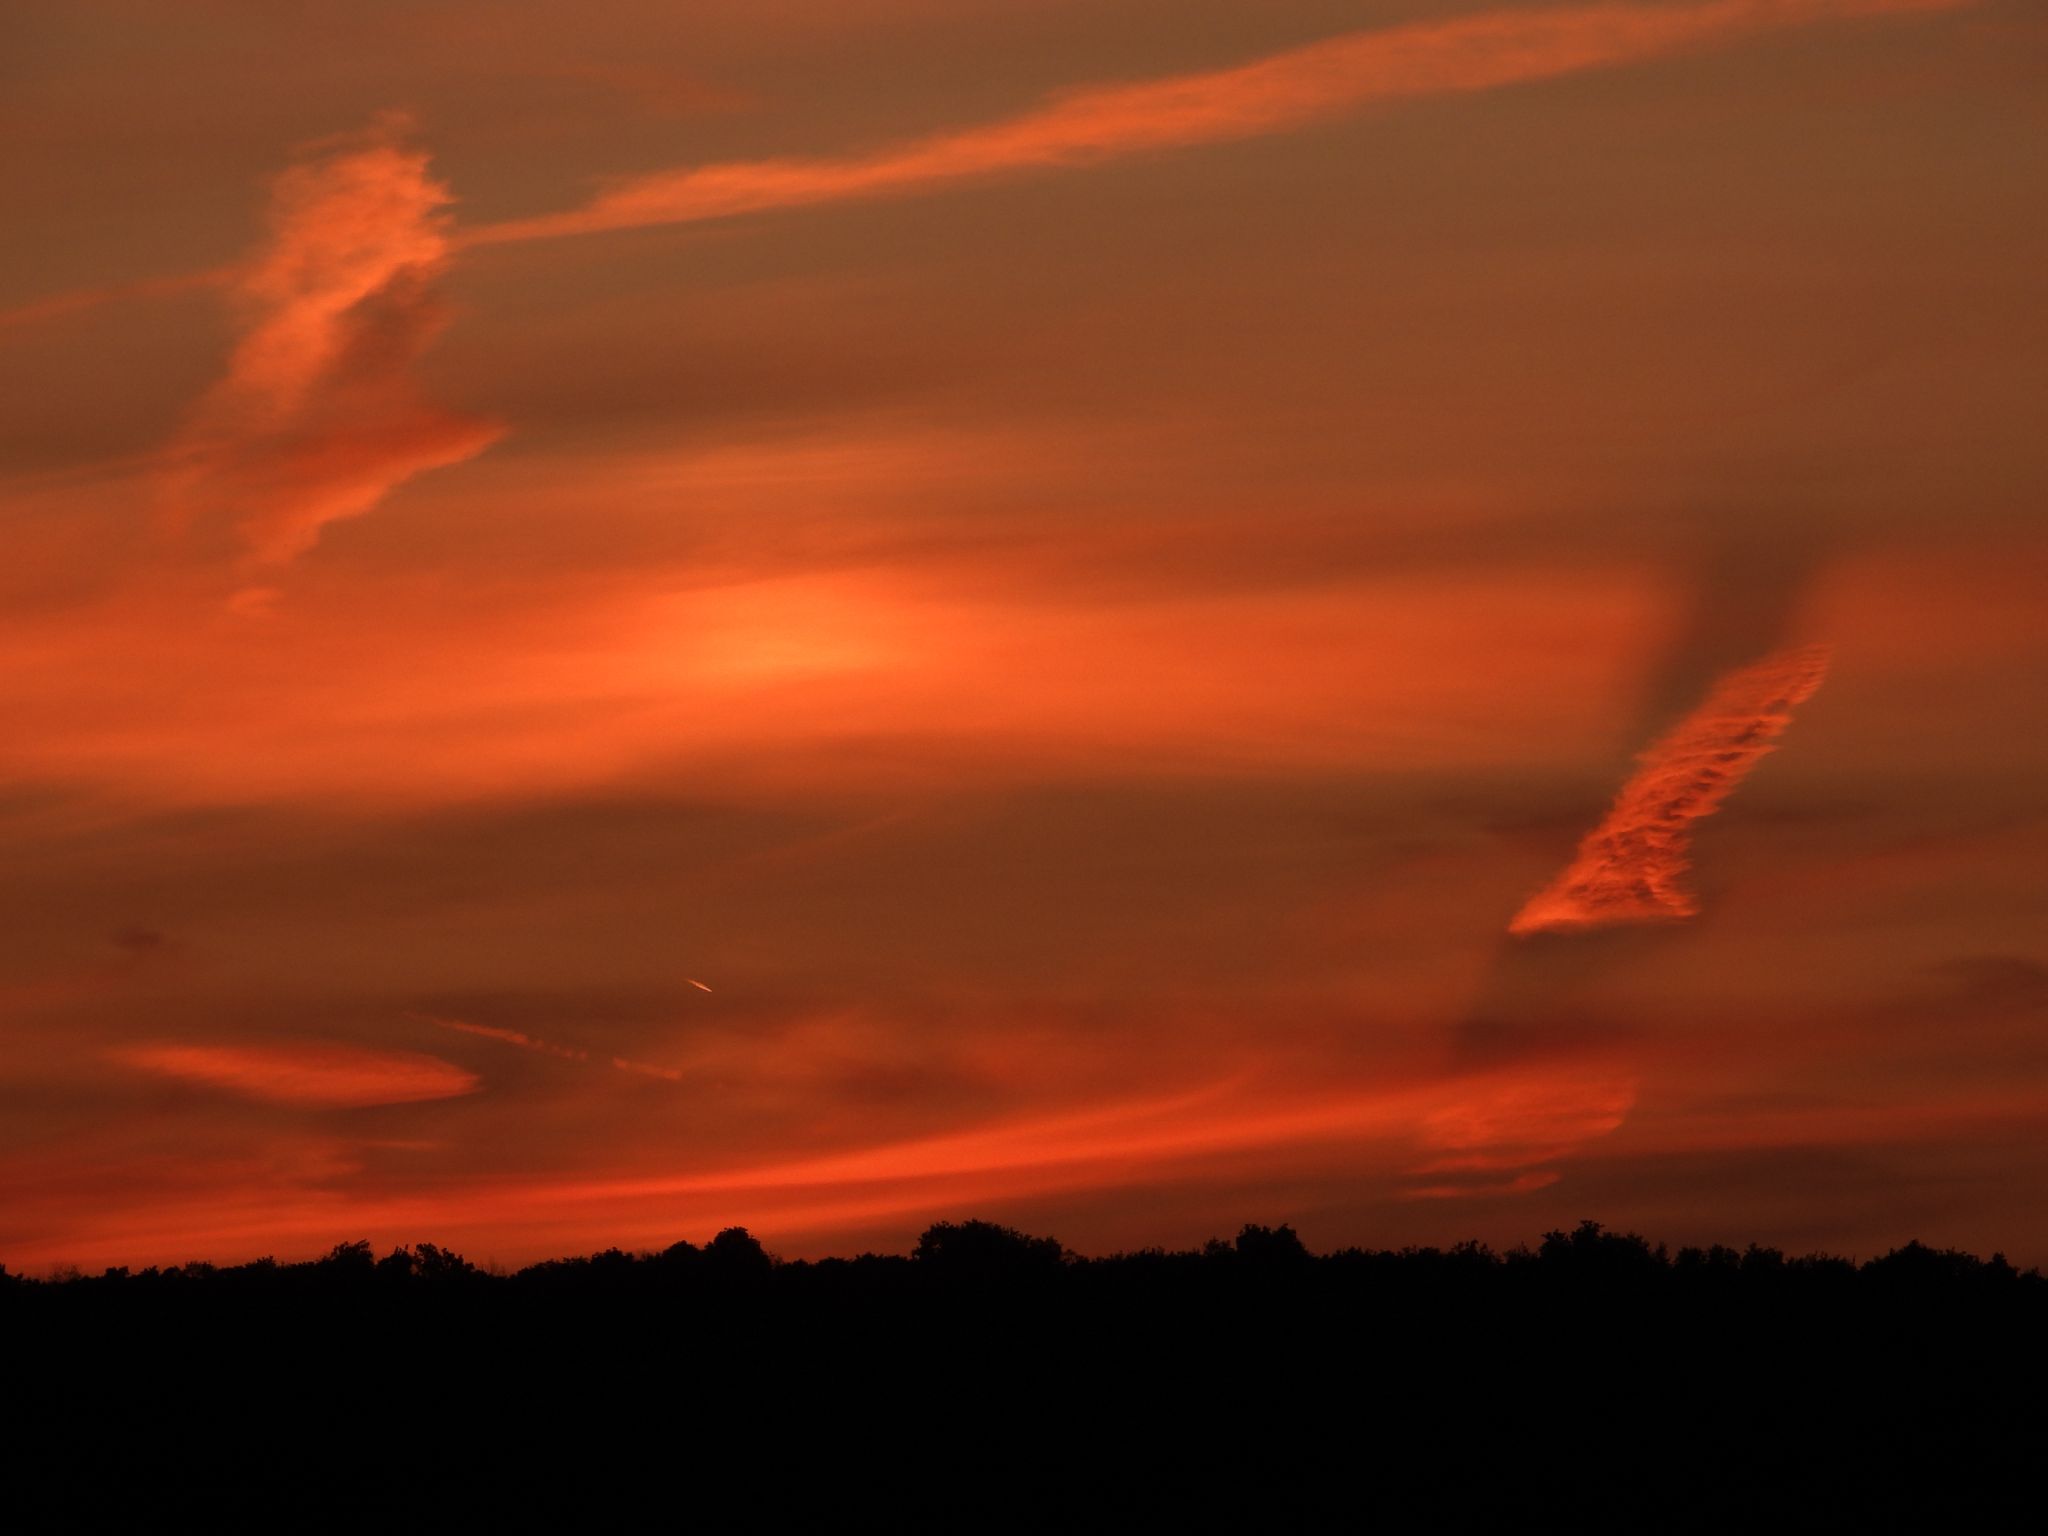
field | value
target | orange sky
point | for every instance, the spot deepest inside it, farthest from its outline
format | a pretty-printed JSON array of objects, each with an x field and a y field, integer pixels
[{"x": 631, "y": 617}]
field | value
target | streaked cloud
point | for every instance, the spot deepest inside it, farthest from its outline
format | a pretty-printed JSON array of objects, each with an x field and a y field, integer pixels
[
  {"x": 526, "y": 1042},
  {"x": 1630, "y": 868},
  {"x": 1495, "y": 1140},
  {"x": 308, "y": 1076},
  {"x": 1507, "y": 1119},
  {"x": 318, "y": 417},
  {"x": 76, "y": 300},
  {"x": 1271, "y": 95},
  {"x": 1092, "y": 124}
]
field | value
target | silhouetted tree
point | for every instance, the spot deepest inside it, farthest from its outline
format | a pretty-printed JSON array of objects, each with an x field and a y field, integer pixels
[
  {"x": 1589, "y": 1252},
  {"x": 441, "y": 1265},
  {"x": 735, "y": 1255},
  {"x": 983, "y": 1250},
  {"x": 348, "y": 1261},
  {"x": 679, "y": 1258},
  {"x": 1270, "y": 1246},
  {"x": 1919, "y": 1267}
]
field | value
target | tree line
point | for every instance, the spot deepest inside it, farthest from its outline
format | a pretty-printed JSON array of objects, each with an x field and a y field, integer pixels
[
  {"x": 1588, "y": 1258},
  {"x": 993, "y": 1380}
]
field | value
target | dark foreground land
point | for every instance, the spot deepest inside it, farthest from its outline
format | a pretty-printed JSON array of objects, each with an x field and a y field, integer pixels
[{"x": 992, "y": 1382}]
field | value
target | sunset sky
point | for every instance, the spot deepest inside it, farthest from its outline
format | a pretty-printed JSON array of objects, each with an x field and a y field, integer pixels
[{"x": 631, "y": 617}]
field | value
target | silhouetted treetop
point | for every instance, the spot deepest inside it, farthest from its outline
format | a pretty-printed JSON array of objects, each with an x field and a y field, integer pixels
[
  {"x": 1271, "y": 1246},
  {"x": 736, "y": 1252},
  {"x": 983, "y": 1250}
]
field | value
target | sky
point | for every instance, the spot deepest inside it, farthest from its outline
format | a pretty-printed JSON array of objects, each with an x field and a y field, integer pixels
[{"x": 1124, "y": 616}]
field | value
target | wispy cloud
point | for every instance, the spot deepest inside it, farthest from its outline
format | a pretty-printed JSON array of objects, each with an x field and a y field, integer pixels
[
  {"x": 1504, "y": 1120},
  {"x": 72, "y": 301},
  {"x": 1274, "y": 94},
  {"x": 1630, "y": 868},
  {"x": 1494, "y": 1140},
  {"x": 647, "y": 1069},
  {"x": 526, "y": 1042},
  {"x": 318, "y": 417},
  {"x": 1093, "y": 124},
  {"x": 312, "y": 1076}
]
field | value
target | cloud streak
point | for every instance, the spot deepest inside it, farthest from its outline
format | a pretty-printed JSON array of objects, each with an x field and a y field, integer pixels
[
  {"x": 305, "y": 1076},
  {"x": 318, "y": 418},
  {"x": 1630, "y": 868},
  {"x": 1503, "y": 1121},
  {"x": 76, "y": 300},
  {"x": 1492, "y": 1141},
  {"x": 526, "y": 1042},
  {"x": 1093, "y": 124},
  {"x": 1275, "y": 94}
]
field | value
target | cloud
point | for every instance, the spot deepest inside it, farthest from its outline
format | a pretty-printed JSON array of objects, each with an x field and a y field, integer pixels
[
  {"x": 74, "y": 300},
  {"x": 527, "y": 1042},
  {"x": 318, "y": 418},
  {"x": 1271, "y": 95},
  {"x": 1520, "y": 1184},
  {"x": 1503, "y": 1120},
  {"x": 1628, "y": 869},
  {"x": 647, "y": 1069},
  {"x": 1093, "y": 124},
  {"x": 1519, "y": 1120},
  {"x": 1492, "y": 1142},
  {"x": 312, "y": 1076}
]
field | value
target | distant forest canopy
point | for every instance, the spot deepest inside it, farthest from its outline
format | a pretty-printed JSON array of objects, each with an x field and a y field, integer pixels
[{"x": 981, "y": 1253}]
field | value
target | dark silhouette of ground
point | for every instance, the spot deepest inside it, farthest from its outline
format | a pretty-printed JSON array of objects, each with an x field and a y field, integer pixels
[{"x": 992, "y": 1380}]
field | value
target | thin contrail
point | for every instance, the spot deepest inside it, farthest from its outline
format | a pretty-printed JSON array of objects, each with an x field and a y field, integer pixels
[
  {"x": 1274, "y": 94},
  {"x": 526, "y": 1042},
  {"x": 1094, "y": 124}
]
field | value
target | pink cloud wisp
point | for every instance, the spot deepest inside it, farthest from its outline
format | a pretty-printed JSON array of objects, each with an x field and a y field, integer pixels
[
  {"x": 318, "y": 417},
  {"x": 1275, "y": 94}
]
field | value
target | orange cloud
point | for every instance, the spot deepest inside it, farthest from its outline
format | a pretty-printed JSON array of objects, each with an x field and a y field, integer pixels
[
  {"x": 1521, "y": 1120},
  {"x": 1519, "y": 1117},
  {"x": 1271, "y": 95},
  {"x": 1520, "y": 1184},
  {"x": 314, "y": 1076},
  {"x": 527, "y": 1042},
  {"x": 1128, "y": 1143},
  {"x": 1090, "y": 125},
  {"x": 1629, "y": 868},
  {"x": 1490, "y": 1141},
  {"x": 57, "y": 305},
  {"x": 929, "y": 669},
  {"x": 317, "y": 418},
  {"x": 647, "y": 1069},
  {"x": 299, "y": 1197}
]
